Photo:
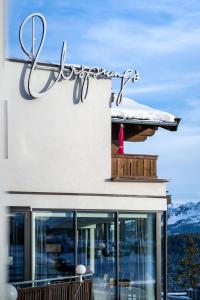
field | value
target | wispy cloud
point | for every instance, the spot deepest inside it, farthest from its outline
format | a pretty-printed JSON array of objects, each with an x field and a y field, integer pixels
[
  {"x": 154, "y": 88},
  {"x": 132, "y": 38},
  {"x": 176, "y": 82}
]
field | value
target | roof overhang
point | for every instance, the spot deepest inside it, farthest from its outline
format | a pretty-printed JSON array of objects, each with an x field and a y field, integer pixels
[
  {"x": 140, "y": 121},
  {"x": 139, "y": 130},
  {"x": 172, "y": 126}
]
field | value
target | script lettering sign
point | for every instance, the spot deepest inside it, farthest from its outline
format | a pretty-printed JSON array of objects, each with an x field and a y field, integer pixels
[{"x": 65, "y": 71}]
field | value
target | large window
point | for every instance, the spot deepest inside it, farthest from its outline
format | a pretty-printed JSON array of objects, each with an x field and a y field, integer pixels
[
  {"x": 97, "y": 251},
  {"x": 120, "y": 248},
  {"x": 52, "y": 244},
  {"x": 137, "y": 248}
]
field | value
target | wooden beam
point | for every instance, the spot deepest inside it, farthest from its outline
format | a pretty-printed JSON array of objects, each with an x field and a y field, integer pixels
[
  {"x": 128, "y": 133},
  {"x": 136, "y": 138},
  {"x": 147, "y": 132}
]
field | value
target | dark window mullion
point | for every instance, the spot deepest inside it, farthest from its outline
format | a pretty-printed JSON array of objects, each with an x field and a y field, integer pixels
[
  {"x": 164, "y": 254},
  {"x": 117, "y": 254},
  {"x": 158, "y": 256},
  {"x": 27, "y": 245},
  {"x": 75, "y": 240}
]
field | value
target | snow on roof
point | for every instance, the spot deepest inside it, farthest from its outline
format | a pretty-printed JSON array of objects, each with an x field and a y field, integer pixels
[{"x": 130, "y": 109}]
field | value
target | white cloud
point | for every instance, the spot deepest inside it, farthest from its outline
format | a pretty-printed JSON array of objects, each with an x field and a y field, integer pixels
[
  {"x": 154, "y": 88},
  {"x": 129, "y": 36},
  {"x": 170, "y": 82}
]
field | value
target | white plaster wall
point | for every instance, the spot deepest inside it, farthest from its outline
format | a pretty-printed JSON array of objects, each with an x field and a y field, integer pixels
[
  {"x": 55, "y": 145},
  {"x": 87, "y": 202}
]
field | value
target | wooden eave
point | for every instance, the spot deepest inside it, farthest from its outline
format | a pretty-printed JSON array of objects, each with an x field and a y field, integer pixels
[{"x": 134, "y": 132}]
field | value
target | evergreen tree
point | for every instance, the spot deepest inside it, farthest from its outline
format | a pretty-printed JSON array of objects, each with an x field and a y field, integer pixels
[{"x": 189, "y": 270}]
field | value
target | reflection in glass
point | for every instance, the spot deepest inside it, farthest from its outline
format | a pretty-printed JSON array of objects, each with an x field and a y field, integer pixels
[
  {"x": 16, "y": 247},
  {"x": 97, "y": 251},
  {"x": 137, "y": 256},
  {"x": 53, "y": 244}
]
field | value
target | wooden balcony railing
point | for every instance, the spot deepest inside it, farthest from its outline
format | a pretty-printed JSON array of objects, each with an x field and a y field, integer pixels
[
  {"x": 134, "y": 166},
  {"x": 60, "y": 291}
]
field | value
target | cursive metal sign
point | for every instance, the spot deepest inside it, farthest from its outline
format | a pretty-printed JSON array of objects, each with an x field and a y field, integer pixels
[{"x": 65, "y": 71}]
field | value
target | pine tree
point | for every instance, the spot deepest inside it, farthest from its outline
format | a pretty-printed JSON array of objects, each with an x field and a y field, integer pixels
[{"x": 189, "y": 270}]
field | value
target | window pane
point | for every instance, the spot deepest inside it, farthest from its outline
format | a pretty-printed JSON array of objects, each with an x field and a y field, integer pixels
[
  {"x": 137, "y": 262},
  {"x": 53, "y": 244},
  {"x": 97, "y": 251},
  {"x": 16, "y": 247}
]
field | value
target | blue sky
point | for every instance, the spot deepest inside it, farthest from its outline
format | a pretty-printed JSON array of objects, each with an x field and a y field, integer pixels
[{"x": 159, "y": 38}]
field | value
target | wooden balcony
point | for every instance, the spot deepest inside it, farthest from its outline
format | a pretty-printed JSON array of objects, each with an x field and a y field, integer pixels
[
  {"x": 134, "y": 166},
  {"x": 60, "y": 291}
]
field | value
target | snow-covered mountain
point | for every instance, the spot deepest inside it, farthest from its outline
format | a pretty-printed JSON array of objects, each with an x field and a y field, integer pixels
[{"x": 184, "y": 218}]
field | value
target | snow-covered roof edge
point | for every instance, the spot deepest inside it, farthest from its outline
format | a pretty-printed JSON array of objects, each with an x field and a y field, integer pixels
[{"x": 132, "y": 112}]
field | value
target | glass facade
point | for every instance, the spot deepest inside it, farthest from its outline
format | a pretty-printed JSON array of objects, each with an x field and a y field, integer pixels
[{"x": 118, "y": 247}]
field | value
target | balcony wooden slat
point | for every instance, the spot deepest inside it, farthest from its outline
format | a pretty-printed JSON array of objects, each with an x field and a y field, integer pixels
[
  {"x": 134, "y": 166},
  {"x": 147, "y": 167},
  {"x": 140, "y": 167},
  {"x": 121, "y": 166},
  {"x": 127, "y": 167},
  {"x": 153, "y": 168}
]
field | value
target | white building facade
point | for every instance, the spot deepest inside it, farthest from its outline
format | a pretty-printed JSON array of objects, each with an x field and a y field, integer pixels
[{"x": 68, "y": 206}]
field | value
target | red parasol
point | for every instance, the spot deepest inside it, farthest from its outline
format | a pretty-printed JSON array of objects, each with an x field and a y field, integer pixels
[{"x": 121, "y": 140}]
